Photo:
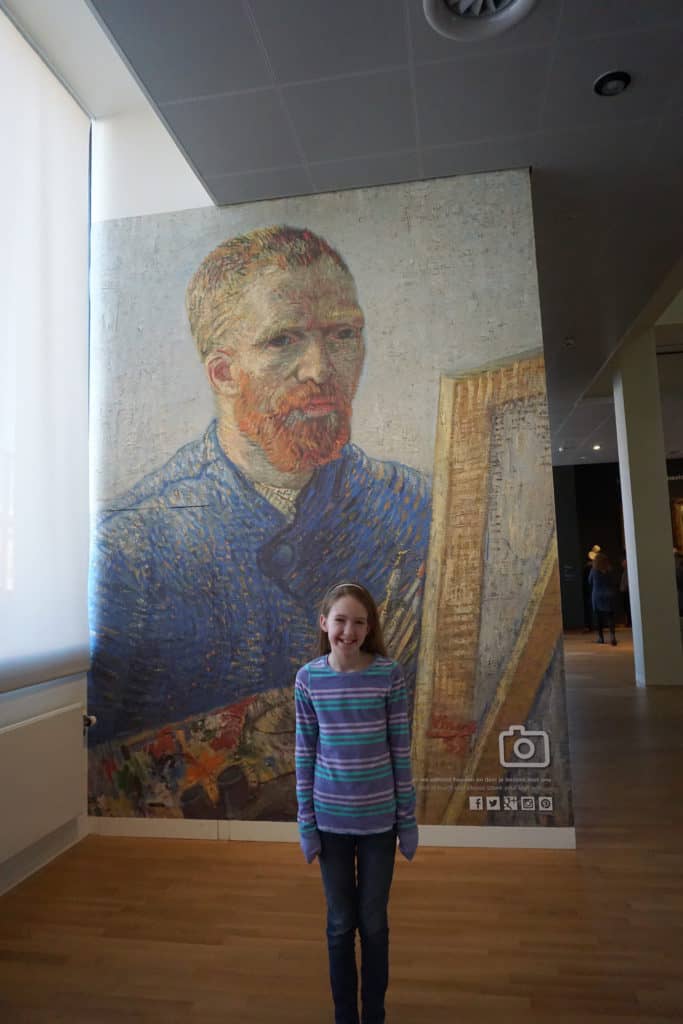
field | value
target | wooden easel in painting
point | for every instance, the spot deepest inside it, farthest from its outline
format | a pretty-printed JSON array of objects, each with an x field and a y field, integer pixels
[{"x": 491, "y": 616}]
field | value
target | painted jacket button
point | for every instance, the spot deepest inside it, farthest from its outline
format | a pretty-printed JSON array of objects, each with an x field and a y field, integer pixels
[{"x": 282, "y": 556}]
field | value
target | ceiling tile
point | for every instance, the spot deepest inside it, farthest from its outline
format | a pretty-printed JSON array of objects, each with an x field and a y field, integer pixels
[
  {"x": 385, "y": 169},
  {"x": 179, "y": 48},
  {"x": 481, "y": 97},
  {"x": 626, "y": 282},
  {"x": 271, "y": 184},
  {"x": 537, "y": 29},
  {"x": 352, "y": 117},
  {"x": 234, "y": 133},
  {"x": 307, "y": 39},
  {"x": 474, "y": 157},
  {"x": 589, "y": 174},
  {"x": 606, "y": 152},
  {"x": 652, "y": 59},
  {"x": 582, "y": 18},
  {"x": 571, "y": 374},
  {"x": 565, "y": 224},
  {"x": 595, "y": 411},
  {"x": 571, "y": 301}
]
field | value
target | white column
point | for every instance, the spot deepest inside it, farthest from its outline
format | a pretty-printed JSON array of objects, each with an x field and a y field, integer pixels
[{"x": 647, "y": 521}]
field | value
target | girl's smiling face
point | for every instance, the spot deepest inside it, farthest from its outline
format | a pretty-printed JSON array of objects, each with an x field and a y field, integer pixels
[{"x": 346, "y": 625}]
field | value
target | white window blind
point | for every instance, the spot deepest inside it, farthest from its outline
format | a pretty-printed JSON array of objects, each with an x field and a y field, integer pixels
[{"x": 44, "y": 198}]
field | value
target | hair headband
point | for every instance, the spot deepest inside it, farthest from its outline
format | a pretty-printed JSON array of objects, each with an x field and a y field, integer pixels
[{"x": 338, "y": 586}]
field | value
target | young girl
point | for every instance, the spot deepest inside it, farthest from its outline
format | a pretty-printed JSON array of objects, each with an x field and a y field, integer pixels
[{"x": 355, "y": 790}]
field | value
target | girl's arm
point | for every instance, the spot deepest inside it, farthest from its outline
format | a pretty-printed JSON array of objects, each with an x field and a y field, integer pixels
[
  {"x": 398, "y": 730},
  {"x": 306, "y": 745}
]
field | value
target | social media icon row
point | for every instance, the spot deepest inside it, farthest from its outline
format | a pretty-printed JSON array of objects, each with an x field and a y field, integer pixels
[{"x": 511, "y": 803}]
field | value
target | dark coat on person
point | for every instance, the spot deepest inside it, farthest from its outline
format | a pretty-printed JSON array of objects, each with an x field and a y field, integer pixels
[{"x": 603, "y": 589}]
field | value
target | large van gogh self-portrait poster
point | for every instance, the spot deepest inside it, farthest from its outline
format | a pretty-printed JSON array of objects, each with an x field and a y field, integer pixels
[{"x": 298, "y": 392}]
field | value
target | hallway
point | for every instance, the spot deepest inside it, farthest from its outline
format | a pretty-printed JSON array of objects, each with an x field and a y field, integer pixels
[{"x": 166, "y": 931}]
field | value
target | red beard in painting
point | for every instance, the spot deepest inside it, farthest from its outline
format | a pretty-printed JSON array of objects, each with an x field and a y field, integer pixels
[{"x": 297, "y": 429}]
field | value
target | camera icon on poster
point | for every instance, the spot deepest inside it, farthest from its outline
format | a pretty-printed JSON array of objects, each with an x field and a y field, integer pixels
[
  {"x": 523, "y": 748},
  {"x": 527, "y": 803}
]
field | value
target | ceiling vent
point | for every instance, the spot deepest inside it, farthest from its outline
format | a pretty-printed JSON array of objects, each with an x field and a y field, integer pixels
[{"x": 475, "y": 19}]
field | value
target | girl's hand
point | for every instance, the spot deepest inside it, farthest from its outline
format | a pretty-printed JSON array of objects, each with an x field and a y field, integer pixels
[
  {"x": 310, "y": 845},
  {"x": 407, "y": 842}
]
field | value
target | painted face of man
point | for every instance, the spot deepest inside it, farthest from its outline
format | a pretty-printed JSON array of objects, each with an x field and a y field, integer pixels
[{"x": 294, "y": 356}]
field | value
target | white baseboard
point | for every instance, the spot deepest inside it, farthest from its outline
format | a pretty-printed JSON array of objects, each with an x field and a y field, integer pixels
[
  {"x": 188, "y": 828},
  {"x": 287, "y": 832},
  {"x": 261, "y": 831},
  {"x": 40, "y": 853},
  {"x": 155, "y": 828}
]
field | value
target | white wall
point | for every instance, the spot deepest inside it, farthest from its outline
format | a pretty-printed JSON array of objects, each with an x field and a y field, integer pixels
[{"x": 137, "y": 169}]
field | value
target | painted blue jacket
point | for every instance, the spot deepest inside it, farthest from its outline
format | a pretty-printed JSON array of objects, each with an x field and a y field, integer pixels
[{"x": 202, "y": 593}]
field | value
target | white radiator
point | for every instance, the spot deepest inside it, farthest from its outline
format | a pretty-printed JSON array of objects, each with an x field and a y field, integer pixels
[{"x": 42, "y": 777}]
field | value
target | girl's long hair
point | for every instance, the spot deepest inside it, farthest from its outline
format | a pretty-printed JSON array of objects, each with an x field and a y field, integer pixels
[{"x": 374, "y": 641}]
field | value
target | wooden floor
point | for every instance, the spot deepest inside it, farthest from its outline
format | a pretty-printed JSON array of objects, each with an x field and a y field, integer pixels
[{"x": 120, "y": 930}]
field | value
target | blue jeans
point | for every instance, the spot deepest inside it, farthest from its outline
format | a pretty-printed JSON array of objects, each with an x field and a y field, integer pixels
[{"x": 357, "y": 873}]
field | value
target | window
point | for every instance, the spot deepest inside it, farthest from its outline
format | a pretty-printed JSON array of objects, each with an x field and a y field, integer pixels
[{"x": 44, "y": 200}]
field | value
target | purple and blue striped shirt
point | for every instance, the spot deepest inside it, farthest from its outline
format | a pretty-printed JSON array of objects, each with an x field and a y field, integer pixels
[{"x": 353, "y": 773}]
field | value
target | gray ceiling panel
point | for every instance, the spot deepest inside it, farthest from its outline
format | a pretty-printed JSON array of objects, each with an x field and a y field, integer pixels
[
  {"x": 472, "y": 157},
  {"x": 572, "y": 369},
  {"x": 595, "y": 412},
  {"x": 505, "y": 101},
  {"x": 582, "y": 18},
  {"x": 384, "y": 169},
  {"x": 362, "y": 115},
  {"x": 354, "y": 36},
  {"x": 181, "y": 48},
  {"x": 558, "y": 240},
  {"x": 596, "y": 153},
  {"x": 273, "y": 184},
  {"x": 653, "y": 60},
  {"x": 537, "y": 29},
  {"x": 588, "y": 174},
  {"x": 643, "y": 246},
  {"x": 228, "y": 134}
]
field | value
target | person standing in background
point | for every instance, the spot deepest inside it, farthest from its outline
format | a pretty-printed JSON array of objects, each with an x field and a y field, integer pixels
[
  {"x": 586, "y": 590},
  {"x": 604, "y": 596}
]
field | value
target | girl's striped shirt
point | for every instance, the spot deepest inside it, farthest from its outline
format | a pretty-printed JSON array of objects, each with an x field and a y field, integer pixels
[{"x": 353, "y": 771}]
